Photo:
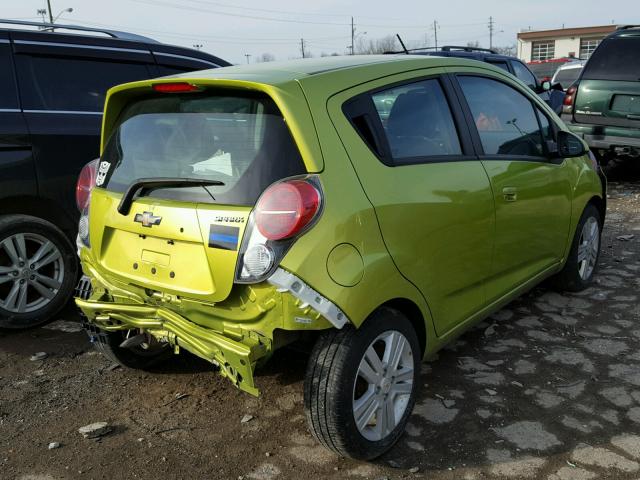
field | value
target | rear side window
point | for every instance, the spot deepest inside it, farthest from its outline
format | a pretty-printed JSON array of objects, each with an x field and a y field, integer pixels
[
  {"x": 70, "y": 84},
  {"x": 8, "y": 93},
  {"x": 502, "y": 65},
  {"x": 524, "y": 74},
  {"x": 417, "y": 121},
  {"x": 240, "y": 140},
  {"x": 615, "y": 59},
  {"x": 505, "y": 118}
]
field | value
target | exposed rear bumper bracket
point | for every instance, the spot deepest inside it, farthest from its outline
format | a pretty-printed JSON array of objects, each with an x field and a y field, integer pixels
[
  {"x": 288, "y": 282},
  {"x": 235, "y": 359}
]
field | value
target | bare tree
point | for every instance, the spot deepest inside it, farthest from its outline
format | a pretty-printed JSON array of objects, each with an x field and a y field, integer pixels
[
  {"x": 266, "y": 57},
  {"x": 474, "y": 44},
  {"x": 509, "y": 50},
  {"x": 325, "y": 54},
  {"x": 375, "y": 46}
]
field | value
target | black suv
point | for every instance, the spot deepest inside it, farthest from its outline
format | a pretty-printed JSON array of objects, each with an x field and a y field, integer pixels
[
  {"x": 52, "y": 90},
  {"x": 510, "y": 64}
]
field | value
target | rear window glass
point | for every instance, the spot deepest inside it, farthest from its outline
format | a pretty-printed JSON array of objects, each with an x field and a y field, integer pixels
[
  {"x": 524, "y": 74},
  {"x": 71, "y": 84},
  {"x": 242, "y": 141},
  {"x": 567, "y": 77},
  {"x": 615, "y": 59}
]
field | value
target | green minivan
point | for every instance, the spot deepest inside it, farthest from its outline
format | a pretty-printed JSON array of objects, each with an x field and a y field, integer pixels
[{"x": 372, "y": 208}]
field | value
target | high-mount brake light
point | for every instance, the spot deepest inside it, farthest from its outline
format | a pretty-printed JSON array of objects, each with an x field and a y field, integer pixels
[
  {"x": 175, "y": 87},
  {"x": 286, "y": 208},
  {"x": 86, "y": 182}
]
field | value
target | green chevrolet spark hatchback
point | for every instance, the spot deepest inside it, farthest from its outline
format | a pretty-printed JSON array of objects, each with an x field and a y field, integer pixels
[{"x": 373, "y": 208}]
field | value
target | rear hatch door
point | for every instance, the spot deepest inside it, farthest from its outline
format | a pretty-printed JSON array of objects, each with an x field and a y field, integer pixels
[
  {"x": 185, "y": 241},
  {"x": 609, "y": 90}
]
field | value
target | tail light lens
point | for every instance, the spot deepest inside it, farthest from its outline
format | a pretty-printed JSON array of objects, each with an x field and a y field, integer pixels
[
  {"x": 569, "y": 99},
  {"x": 283, "y": 212},
  {"x": 86, "y": 182},
  {"x": 286, "y": 208}
]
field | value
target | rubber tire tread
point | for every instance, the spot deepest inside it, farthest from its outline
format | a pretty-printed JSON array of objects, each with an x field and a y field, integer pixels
[
  {"x": 15, "y": 223},
  {"x": 328, "y": 396},
  {"x": 568, "y": 279}
]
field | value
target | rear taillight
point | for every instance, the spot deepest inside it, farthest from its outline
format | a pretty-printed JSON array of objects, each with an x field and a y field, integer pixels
[
  {"x": 286, "y": 208},
  {"x": 569, "y": 99},
  {"x": 86, "y": 182},
  {"x": 175, "y": 87},
  {"x": 284, "y": 211}
]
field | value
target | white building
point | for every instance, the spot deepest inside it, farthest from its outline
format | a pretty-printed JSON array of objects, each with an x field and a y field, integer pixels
[{"x": 542, "y": 45}]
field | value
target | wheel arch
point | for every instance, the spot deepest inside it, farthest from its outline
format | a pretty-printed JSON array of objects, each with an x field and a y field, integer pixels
[
  {"x": 413, "y": 313},
  {"x": 600, "y": 204},
  {"x": 43, "y": 208}
]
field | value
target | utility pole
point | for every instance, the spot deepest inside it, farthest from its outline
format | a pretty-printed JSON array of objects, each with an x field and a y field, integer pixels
[
  {"x": 435, "y": 32},
  {"x": 248, "y": 55},
  {"x": 302, "y": 47},
  {"x": 353, "y": 36},
  {"x": 50, "y": 12},
  {"x": 491, "y": 28}
]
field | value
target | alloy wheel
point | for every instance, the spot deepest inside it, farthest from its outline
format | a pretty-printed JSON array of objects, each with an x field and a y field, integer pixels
[
  {"x": 383, "y": 385},
  {"x": 31, "y": 272},
  {"x": 588, "y": 248}
]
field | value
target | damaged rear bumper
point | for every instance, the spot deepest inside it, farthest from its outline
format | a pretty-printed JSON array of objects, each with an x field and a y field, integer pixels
[{"x": 236, "y": 359}]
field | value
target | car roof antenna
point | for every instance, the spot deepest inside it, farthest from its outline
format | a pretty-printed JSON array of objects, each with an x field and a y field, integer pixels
[{"x": 402, "y": 43}]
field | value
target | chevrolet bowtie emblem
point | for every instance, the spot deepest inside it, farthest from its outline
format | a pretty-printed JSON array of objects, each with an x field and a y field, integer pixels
[{"x": 147, "y": 219}]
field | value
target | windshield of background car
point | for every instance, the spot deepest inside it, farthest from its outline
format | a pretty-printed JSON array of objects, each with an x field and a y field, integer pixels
[
  {"x": 615, "y": 58},
  {"x": 239, "y": 139}
]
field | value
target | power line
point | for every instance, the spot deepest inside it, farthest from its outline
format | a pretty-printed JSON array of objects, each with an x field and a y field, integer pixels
[
  {"x": 213, "y": 38},
  {"x": 271, "y": 19}
]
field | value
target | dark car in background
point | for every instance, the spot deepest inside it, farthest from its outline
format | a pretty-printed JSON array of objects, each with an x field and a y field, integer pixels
[
  {"x": 603, "y": 106},
  {"x": 52, "y": 90},
  {"x": 511, "y": 64}
]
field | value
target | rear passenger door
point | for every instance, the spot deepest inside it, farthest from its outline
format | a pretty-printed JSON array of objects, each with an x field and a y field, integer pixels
[
  {"x": 532, "y": 193},
  {"x": 17, "y": 176},
  {"x": 62, "y": 90},
  {"x": 411, "y": 148}
]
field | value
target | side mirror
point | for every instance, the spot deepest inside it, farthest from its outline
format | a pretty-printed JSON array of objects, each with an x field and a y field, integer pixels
[{"x": 567, "y": 146}]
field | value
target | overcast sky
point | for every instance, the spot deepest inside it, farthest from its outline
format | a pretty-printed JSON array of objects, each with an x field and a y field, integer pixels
[{"x": 232, "y": 29}]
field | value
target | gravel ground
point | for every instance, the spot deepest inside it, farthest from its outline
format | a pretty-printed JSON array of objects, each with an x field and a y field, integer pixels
[{"x": 549, "y": 387}]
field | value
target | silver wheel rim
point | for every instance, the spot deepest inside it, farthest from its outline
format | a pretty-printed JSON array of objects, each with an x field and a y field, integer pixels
[
  {"x": 383, "y": 385},
  {"x": 588, "y": 248},
  {"x": 31, "y": 272}
]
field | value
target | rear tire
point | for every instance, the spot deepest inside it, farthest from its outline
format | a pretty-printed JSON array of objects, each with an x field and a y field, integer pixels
[
  {"x": 582, "y": 261},
  {"x": 352, "y": 415},
  {"x": 138, "y": 358},
  {"x": 32, "y": 296}
]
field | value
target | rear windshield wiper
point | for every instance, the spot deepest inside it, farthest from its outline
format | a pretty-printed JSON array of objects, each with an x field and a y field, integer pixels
[{"x": 146, "y": 185}]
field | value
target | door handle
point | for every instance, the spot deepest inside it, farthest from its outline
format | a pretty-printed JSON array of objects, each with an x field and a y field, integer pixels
[{"x": 510, "y": 194}]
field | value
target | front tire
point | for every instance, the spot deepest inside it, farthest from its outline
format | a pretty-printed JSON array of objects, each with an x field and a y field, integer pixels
[
  {"x": 360, "y": 385},
  {"x": 582, "y": 261},
  {"x": 38, "y": 270}
]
